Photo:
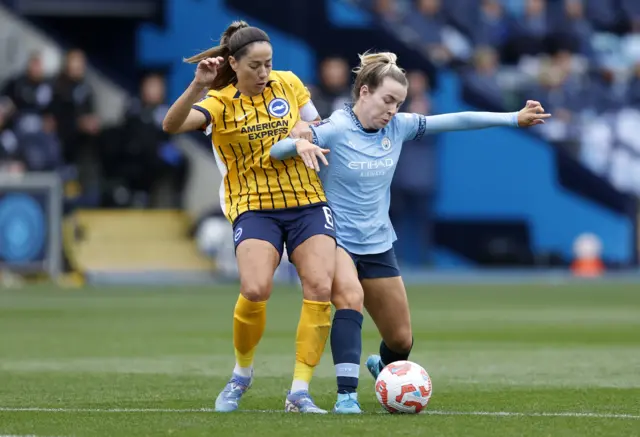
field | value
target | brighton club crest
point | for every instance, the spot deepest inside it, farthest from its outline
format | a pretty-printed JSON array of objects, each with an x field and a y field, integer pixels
[{"x": 278, "y": 107}]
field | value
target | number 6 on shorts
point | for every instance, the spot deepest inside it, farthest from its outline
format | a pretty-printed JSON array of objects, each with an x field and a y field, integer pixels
[{"x": 328, "y": 216}]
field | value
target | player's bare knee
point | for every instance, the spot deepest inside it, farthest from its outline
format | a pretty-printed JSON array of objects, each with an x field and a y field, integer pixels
[
  {"x": 255, "y": 290},
  {"x": 317, "y": 288},
  {"x": 348, "y": 299}
]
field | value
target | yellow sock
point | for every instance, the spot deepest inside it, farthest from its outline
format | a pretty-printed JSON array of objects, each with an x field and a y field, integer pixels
[
  {"x": 249, "y": 320},
  {"x": 311, "y": 338}
]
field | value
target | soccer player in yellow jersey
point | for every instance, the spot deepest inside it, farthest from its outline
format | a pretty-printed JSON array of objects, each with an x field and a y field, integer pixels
[{"x": 270, "y": 203}]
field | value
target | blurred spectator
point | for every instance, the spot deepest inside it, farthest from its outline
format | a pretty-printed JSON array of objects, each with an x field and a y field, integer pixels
[
  {"x": 418, "y": 87},
  {"x": 462, "y": 14},
  {"x": 483, "y": 78},
  {"x": 11, "y": 160},
  {"x": 571, "y": 23},
  {"x": 605, "y": 93},
  {"x": 41, "y": 149},
  {"x": 534, "y": 23},
  {"x": 333, "y": 90},
  {"x": 634, "y": 87},
  {"x": 78, "y": 128},
  {"x": 604, "y": 14},
  {"x": 528, "y": 34},
  {"x": 29, "y": 151},
  {"x": 631, "y": 9},
  {"x": 429, "y": 23},
  {"x": 147, "y": 169},
  {"x": 413, "y": 186},
  {"x": 553, "y": 93},
  {"x": 28, "y": 127},
  {"x": 425, "y": 24},
  {"x": 74, "y": 106},
  {"x": 390, "y": 11},
  {"x": 491, "y": 26},
  {"x": 31, "y": 94},
  {"x": 560, "y": 90},
  {"x": 630, "y": 43}
]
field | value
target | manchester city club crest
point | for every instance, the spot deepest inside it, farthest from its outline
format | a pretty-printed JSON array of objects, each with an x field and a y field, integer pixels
[
  {"x": 278, "y": 107},
  {"x": 386, "y": 143}
]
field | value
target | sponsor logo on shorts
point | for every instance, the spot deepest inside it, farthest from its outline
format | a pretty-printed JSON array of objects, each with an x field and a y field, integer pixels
[{"x": 237, "y": 235}]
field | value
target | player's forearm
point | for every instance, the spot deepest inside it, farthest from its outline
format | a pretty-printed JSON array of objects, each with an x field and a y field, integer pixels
[
  {"x": 284, "y": 149},
  {"x": 470, "y": 120},
  {"x": 179, "y": 111}
]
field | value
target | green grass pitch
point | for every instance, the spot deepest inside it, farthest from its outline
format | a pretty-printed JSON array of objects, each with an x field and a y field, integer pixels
[{"x": 510, "y": 360}]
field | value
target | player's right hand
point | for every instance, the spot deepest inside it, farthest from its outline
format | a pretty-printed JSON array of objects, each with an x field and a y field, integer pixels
[
  {"x": 532, "y": 114},
  {"x": 207, "y": 71},
  {"x": 310, "y": 153}
]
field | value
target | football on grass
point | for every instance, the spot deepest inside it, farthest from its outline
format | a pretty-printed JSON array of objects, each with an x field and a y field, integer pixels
[{"x": 403, "y": 387}]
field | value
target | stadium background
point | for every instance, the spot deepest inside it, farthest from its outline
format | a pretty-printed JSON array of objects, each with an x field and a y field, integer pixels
[
  {"x": 492, "y": 198},
  {"x": 93, "y": 192}
]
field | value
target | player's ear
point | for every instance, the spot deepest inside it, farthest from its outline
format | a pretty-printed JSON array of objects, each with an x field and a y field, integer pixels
[
  {"x": 364, "y": 90},
  {"x": 234, "y": 63}
]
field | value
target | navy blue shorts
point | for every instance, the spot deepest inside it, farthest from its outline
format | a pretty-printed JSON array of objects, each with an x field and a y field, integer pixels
[
  {"x": 292, "y": 226},
  {"x": 376, "y": 266}
]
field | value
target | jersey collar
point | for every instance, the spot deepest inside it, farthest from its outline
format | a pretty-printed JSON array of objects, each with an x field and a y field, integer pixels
[
  {"x": 238, "y": 95},
  {"x": 349, "y": 109}
]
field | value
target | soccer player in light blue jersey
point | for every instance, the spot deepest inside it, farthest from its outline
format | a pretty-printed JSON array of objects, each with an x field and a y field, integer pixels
[{"x": 363, "y": 144}]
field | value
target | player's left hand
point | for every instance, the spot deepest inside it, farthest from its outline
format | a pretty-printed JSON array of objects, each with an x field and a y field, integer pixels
[
  {"x": 310, "y": 154},
  {"x": 532, "y": 114},
  {"x": 301, "y": 130}
]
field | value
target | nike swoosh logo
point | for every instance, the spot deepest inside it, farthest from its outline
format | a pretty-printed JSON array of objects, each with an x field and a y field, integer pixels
[{"x": 242, "y": 117}]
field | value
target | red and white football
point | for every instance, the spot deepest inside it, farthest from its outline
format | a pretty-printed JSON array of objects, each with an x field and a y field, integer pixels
[{"x": 403, "y": 387}]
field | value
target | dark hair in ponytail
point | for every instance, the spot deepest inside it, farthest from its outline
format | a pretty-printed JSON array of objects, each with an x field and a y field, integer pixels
[{"x": 235, "y": 41}]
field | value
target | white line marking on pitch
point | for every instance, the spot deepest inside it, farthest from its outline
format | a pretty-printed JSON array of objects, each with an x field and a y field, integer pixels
[
  {"x": 209, "y": 410},
  {"x": 516, "y": 414}
]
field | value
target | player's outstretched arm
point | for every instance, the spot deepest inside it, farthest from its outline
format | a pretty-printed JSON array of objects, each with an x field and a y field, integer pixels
[
  {"x": 531, "y": 115},
  {"x": 302, "y": 129},
  {"x": 309, "y": 152},
  {"x": 323, "y": 133}
]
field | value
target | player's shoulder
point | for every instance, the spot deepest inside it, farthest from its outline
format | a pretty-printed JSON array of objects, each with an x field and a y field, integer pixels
[
  {"x": 222, "y": 95},
  {"x": 404, "y": 120},
  {"x": 212, "y": 98},
  {"x": 283, "y": 75},
  {"x": 341, "y": 117},
  {"x": 286, "y": 77},
  {"x": 338, "y": 118},
  {"x": 401, "y": 117}
]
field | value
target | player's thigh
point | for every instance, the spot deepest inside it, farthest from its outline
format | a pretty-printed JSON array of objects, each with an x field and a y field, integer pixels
[
  {"x": 259, "y": 243},
  {"x": 385, "y": 298},
  {"x": 346, "y": 292},
  {"x": 311, "y": 246}
]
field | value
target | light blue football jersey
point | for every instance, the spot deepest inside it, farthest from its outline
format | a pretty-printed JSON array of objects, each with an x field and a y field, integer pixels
[{"x": 357, "y": 181}]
